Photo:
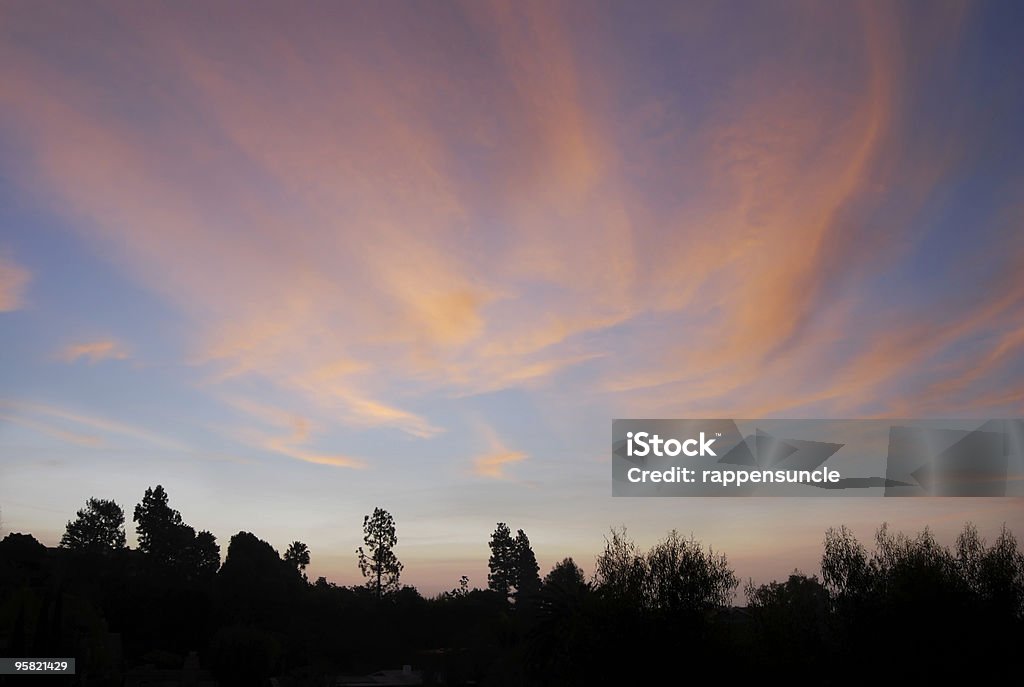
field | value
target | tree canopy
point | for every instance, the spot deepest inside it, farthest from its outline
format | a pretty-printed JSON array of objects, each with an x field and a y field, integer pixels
[
  {"x": 514, "y": 571},
  {"x": 676, "y": 575},
  {"x": 157, "y": 525},
  {"x": 99, "y": 527},
  {"x": 169, "y": 542}
]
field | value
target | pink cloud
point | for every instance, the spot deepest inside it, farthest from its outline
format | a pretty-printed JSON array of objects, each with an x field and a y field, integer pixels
[
  {"x": 93, "y": 351},
  {"x": 13, "y": 281}
]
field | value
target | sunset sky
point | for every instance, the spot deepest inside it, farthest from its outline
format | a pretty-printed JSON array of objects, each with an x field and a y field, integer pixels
[{"x": 297, "y": 260}]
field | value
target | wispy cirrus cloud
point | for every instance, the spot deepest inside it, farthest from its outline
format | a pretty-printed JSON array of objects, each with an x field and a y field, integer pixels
[
  {"x": 540, "y": 213},
  {"x": 284, "y": 447},
  {"x": 493, "y": 462},
  {"x": 93, "y": 351},
  {"x": 54, "y": 430},
  {"x": 289, "y": 434},
  {"x": 68, "y": 424},
  {"x": 14, "y": 279}
]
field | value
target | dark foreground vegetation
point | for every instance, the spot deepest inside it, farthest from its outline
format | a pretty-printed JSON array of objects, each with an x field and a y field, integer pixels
[{"x": 906, "y": 608}]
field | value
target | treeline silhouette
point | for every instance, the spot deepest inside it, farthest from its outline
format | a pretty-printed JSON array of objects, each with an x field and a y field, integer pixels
[{"x": 907, "y": 608}]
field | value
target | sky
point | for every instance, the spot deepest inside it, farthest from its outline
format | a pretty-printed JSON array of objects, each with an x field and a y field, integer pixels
[{"x": 295, "y": 261}]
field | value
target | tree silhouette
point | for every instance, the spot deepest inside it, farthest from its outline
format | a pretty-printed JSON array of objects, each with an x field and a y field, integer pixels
[
  {"x": 200, "y": 557},
  {"x": 620, "y": 571},
  {"x": 913, "y": 592},
  {"x": 681, "y": 576},
  {"x": 996, "y": 574},
  {"x": 675, "y": 575},
  {"x": 22, "y": 560},
  {"x": 172, "y": 544},
  {"x": 527, "y": 572},
  {"x": 377, "y": 559},
  {"x": 158, "y": 526},
  {"x": 513, "y": 566},
  {"x": 796, "y": 593},
  {"x": 255, "y": 585},
  {"x": 565, "y": 575},
  {"x": 502, "y": 563},
  {"x": 844, "y": 564},
  {"x": 297, "y": 555},
  {"x": 99, "y": 527}
]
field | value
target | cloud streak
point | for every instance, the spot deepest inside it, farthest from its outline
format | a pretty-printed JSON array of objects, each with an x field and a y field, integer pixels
[
  {"x": 492, "y": 465},
  {"x": 13, "y": 282},
  {"x": 39, "y": 425},
  {"x": 298, "y": 433},
  {"x": 494, "y": 461},
  {"x": 93, "y": 351},
  {"x": 55, "y": 419}
]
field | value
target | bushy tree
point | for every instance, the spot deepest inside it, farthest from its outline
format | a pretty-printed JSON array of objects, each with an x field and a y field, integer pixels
[
  {"x": 994, "y": 574},
  {"x": 682, "y": 576},
  {"x": 799, "y": 591},
  {"x": 22, "y": 560},
  {"x": 377, "y": 559},
  {"x": 899, "y": 568},
  {"x": 565, "y": 575},
  {"x": 170, "y": 543},
  {"x": 915, "y": 593},
  {"x": 675, "y": 575},
  {"x": 200, "y": 557},
  {"x": 620, "y": 571},
  {"x": 99, "y": 527},
  {"x": 844, "y": 564},
  {"x": 563, "y": 592},
  {"x": 255, "y": 584},
  {"x": 158, "y": 526}
]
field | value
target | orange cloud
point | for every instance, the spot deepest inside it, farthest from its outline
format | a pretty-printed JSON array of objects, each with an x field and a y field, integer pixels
[
  {"x": 291, "y": 451},
  {"x": 492, "y": 463},
  {"x": 93, "y": 351},
  {"x": 13, "y": 280},
  {"x": 299, "y": 431}
]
